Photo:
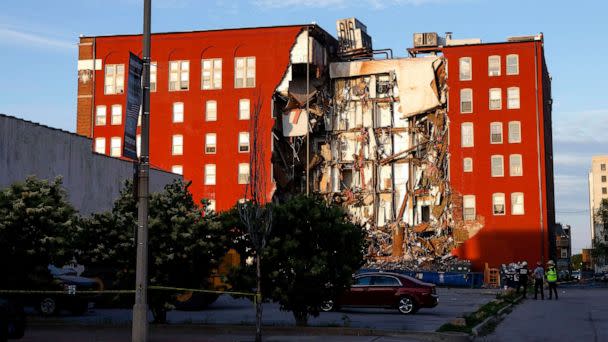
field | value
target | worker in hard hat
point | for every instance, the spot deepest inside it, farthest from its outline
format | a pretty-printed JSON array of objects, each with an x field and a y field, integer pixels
[
  {"x": 522, "y": 272},
  {"x": 552, "y": 279},
  {"x": 539, "y": 277}
]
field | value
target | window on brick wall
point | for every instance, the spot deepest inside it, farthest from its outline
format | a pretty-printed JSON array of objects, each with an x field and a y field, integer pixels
[
  {"x": 100, "y": 145},
  {"x": 211, "y": 73},
  {"x": 496, "y": 133},
  {"x": 468, "y": 207},
  {"x": 178, "y": 169},
  {"x": 243, "y": 141},
  {"x": 514, "y": 132},
  {"x": 495, "y": 99},
  {"x": 244, "y": 72},
  {"x": 497, "y": 165},
  {"x": 210, "y": 143},
  {"x": 465, "y": 69},
  {"x": 517, "y": 203},
  {"x": 515, "y": 165},
  {"x": 498, "y": 203},
  {"x": 494, "y": 66},
  {"x": 116, "y": 114},
  {"x": 466, "y": 100},
  {"x": 179, "y": 75},
  {"x": 243, "y": 173},
  {"x": 153, "y": 73},
  {"x": 467, "y": 164},
  {"x": 114, "y": 79},
  {"x": 116, "y": 147},
  {"x": 100, "y": 115},
  {"x": 177, "y": 148},
  {"x": 466, "y": 131},
  {"x": 513, "y": 98},
  {"x": 244, "y": 109},
  {"x": 211, "y": 110},
  {"x": 210, "y": 174},
  {"x": 512, "y": 64},
  {"x": 211, "y": 205},
  {"x": 178, "y": 112}
]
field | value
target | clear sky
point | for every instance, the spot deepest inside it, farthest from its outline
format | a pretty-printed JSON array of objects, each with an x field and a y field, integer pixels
[{"x": 38, "y": 56}]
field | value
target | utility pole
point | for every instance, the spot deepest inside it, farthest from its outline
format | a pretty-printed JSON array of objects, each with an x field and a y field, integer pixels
[
  {"x": 308, "y": 46},
  {"x": 140, "y": 309}
]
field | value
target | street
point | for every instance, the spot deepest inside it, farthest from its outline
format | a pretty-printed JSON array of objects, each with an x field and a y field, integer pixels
[{"x": 580, "y": 314}]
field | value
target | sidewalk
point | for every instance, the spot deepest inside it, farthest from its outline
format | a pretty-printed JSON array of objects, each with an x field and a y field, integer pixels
[
  {"x": 190, "y": 333},
  {"x": 580, "y": 314}
]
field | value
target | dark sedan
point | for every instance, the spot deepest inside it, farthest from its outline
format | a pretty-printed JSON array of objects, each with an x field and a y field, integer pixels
[{"x": 386, "y": 290}]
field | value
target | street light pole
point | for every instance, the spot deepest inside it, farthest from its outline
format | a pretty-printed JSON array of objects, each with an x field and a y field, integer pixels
[{"x": 140, "y": 309}]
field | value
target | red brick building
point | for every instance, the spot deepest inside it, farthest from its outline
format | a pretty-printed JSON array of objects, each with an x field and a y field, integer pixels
[
  {"x": 204, "y": 88},
  {"x": 501, "y": 153}
]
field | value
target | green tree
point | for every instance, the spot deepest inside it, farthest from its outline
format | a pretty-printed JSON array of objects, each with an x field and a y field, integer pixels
[
  {"x": 576, "y": 261},
  {"x": 310, "y": 256},
  {"x": 35, "y": 218},
  {"x": 600, "y": 243},
  {"x": 186, "y": 242}
]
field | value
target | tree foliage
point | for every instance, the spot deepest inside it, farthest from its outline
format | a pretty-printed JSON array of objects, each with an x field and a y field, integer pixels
[
  {"x": 185, "y": 241},
  {"x": 310, "y": 257},
  {"x": 35, "y": 219},
  {"x": 600, "y": 243}
]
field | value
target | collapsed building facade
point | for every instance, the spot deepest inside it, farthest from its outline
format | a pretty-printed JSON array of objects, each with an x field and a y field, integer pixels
[{"x": 376, "y": 135}]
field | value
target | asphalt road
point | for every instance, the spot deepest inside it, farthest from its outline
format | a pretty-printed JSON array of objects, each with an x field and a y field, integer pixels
[
  {"x": 228, "y": 311},
  {"x": 580, "y": 314}
]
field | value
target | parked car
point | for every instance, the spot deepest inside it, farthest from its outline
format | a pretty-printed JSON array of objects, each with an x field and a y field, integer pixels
[
  {"x": 386, "y": 290},
  {"x": 12, "y": 320},
  {"x": 576, "y": 275}
]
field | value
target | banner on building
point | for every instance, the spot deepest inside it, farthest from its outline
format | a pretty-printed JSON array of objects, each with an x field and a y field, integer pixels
[{"x": 134, "y": 92}]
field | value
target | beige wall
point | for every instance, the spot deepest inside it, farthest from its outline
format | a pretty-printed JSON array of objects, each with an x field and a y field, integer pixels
[{"x": 597, "y": 187}]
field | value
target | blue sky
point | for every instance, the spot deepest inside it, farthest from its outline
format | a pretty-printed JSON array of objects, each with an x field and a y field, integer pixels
[{"x": 38, "y": 56}]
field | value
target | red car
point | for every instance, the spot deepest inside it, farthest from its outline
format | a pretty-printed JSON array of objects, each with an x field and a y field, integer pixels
[{"x": 386, "y": 290}]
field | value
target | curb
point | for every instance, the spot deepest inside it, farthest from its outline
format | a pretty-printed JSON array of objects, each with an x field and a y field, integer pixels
[
  {"x": 494, "y": 318},
  {"x": 277, "y": 330}
]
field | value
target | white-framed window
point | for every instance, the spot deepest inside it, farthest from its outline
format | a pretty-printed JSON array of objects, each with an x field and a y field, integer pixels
[
  {"x": 116, "y": 114},
  {"x": 467, "y": 164},
  {"x": 514, "y": 132},
  {"x": 466, "y": 132},
  {"x": 177, "y": 169},
  {"x": 177, "y": 147},
  {"x": 465, "y": 69},
  {"x": 138, "y": 145},
  {"x": 244, "y": 109},
  {"x": 153, "y": 72},
  {"x": 210, "y": 143},
  {"x": 515, "y": 165},
  {"x": 495, "y": 99},
  {"x": 243, "y": 141},
  {"x": 517, "y": 203},
  {"x": 466, "y": 100},
  {"x": 243, "y": 173},
  {"x": 498, "y": 203},
  {"x": 211, "y": 73},
  {"x": 100, "y": 115},
  {"x": 496, "y": 133},
  {"x": 512, "y": 64},
  {"x": 100, "y": 145},
  {"x": 115, "y": 146},
  {"x": 115, "y": 79},
  {"x": 513, "y": 98},
  {"x": 211, "y": 110},
  {"x": 210, "y": 174},
  {"x": 244, "y": 72},
  {"x": 497, "y": 165},
  {"x": 178, "y": 112},
  {"x": 494, "y": 66},
  {"x": 468, "y": 207},
  {"x": 211, "y": 205},
  {"x": 179, "y": 75}
]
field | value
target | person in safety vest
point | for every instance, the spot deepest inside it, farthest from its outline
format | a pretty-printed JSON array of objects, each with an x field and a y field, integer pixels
[
  {"x": 552, "y": 278},
  {"x": 522, "y": 272}
]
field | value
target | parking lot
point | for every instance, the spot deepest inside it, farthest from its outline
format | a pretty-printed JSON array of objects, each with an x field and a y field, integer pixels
[{"x": 228, "y": 311}]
